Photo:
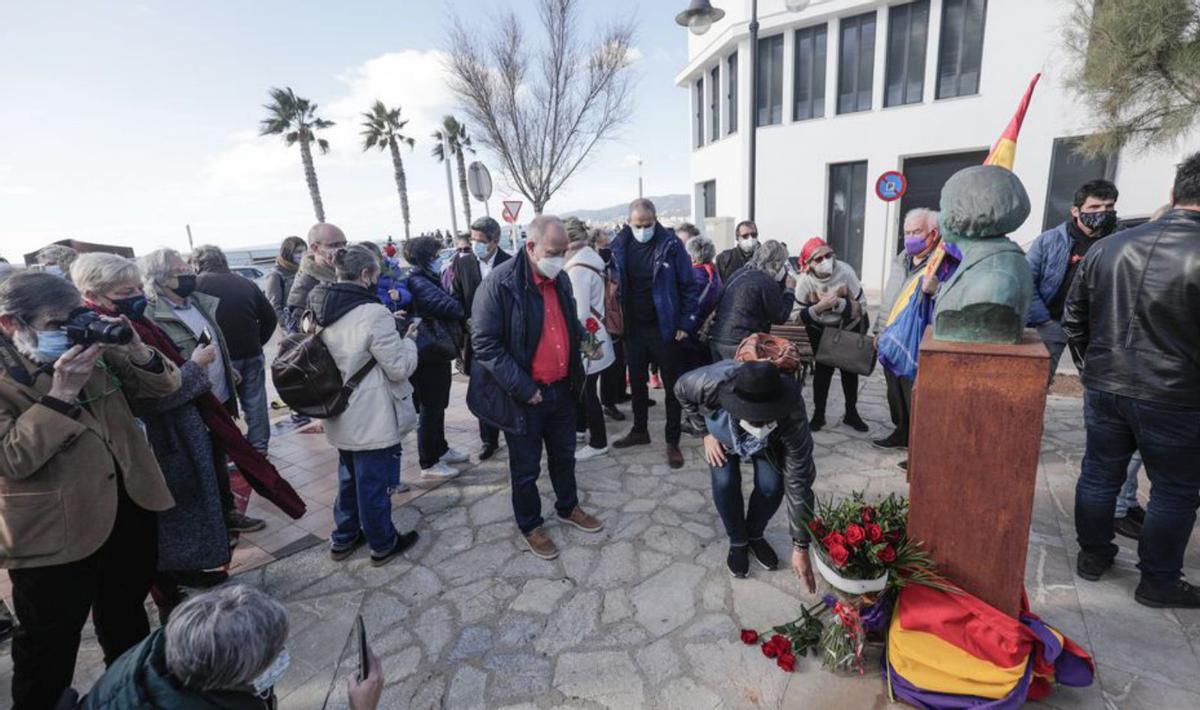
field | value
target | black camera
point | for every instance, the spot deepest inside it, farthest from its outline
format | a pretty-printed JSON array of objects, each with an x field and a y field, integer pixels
[{"x": 87, "y": 327}]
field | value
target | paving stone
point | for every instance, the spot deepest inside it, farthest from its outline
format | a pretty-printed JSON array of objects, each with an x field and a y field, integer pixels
[
  {"x": 617, "y": 566},
  {"x": 518, "y": 675},
  {"x": 607, "y": 678},
  {"x": 466, "y": 689},
  {"x": 616, "y": 606},
  {"x": 659, "y": 661},
  {"x": 541, "y": 595},
  {"x": 667, "y": 600},
  {"x": 572, "y": 622},
  {"x": 686, "y": 694},
  {"x": 472, "y": 641},
  {"x": 434, "y": 629},
  {"x": 518, "y": 630}
]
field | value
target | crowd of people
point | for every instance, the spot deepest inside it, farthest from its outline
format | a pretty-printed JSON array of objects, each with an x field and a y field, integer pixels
[{"x": 122, "y": 379}]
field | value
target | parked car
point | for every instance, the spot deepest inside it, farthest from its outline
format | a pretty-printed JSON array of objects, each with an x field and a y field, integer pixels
[{"x": 254, "y": 273}]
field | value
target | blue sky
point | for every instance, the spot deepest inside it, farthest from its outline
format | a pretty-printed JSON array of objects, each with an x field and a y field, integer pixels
[{"x": 124, "y": 121}]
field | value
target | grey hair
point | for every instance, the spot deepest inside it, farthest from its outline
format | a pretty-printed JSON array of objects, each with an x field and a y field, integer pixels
[
  {"x": 59, "y": 254},
  {"x": 927, "y": 216},
  {"x": 770, "y": 257},
  {"x": 539, "y": 225},
  {"x": 353, "y": 260},
  {"x": 701, "y": 249},
  {"x": 644, "y": 205},
  {"x": 155, "y": 268},
  {"x": 224, "y": 638},
  {"x": 207, "y": 257},
  {"x": 25, "y": 295},
  {"x": 99, "y": 272}
]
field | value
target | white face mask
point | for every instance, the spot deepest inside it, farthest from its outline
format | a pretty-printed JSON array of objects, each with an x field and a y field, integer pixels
[
  {"x": 643, "y": 234},
  {"x": 783, "y": 271},
  {"x": 748, "y": 244},
  {"x": 758, "y": 432},
  {"x": 823, "y": 269},
  {"x": 268, "y": 678},
  {"x": 550, "y": 266}
]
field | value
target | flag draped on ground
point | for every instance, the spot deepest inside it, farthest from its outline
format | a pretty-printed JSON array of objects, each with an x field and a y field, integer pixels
[{"x": 1004, "y": 152}]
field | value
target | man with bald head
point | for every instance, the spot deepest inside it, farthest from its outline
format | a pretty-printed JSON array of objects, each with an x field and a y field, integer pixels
[
  {"x": 527, "y": 373},
  {"x": 324, "y": 240}
]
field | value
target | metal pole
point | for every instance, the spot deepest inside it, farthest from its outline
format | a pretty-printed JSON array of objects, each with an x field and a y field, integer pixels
[
  {"x": 189, "y": 233},
  {"x": 449, "y": 184},
  {"x": 639, "y": 177},
  {"x": 753, "y": 103}
]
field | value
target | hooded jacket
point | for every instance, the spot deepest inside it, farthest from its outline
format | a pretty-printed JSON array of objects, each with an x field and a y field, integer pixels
[
  {"x": 585, "y": 270},
  {"x": 357, "y": 327},
  {"x": 674, "y": 288},
  {"x": 311, "y": 273}
]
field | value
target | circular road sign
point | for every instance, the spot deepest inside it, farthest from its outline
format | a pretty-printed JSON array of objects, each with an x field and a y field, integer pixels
[
  {"x": 891, "y": 186},
  {"x": 479, "y": 181}
]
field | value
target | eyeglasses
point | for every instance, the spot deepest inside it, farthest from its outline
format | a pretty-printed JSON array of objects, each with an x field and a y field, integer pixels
[{"x": 819, "y": 259}]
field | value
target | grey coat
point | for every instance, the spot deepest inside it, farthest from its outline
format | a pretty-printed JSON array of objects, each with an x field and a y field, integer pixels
[{"x": 192, "y": 535}]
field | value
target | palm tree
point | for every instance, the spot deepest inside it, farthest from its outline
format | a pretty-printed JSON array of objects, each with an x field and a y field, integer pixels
[
  {"x": 296, "y": 120},
  {"x": 455, "y": 134},
  {"x": 381, "y": 129}
]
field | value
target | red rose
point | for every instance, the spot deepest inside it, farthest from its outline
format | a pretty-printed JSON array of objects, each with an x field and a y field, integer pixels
[
  {"x": 770, "y": 650},
  {"x": 749, "y": 637},
  {"x": 787, "y": 662},
  {"x": 854, "y": 535},
  {"x": 816, "y": 524},
  {"x": 833, "y": 539},
  {"x": 840, "y": 555},
  {"x": 592, "y": 326},
  {"x": 781, "y": 643},
  {"x": 887, "y": 554},
  {"x": 874, "y": 533},
  {"x": 892, "y": 536},
  {"x": 868, "y": 514}
]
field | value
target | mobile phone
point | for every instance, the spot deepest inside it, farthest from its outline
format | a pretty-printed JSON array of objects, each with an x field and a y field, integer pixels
[
  {"x": 205, "y": 337},
  {"x": 360, "y": 634},
  {"x": 413, "y": 324}
]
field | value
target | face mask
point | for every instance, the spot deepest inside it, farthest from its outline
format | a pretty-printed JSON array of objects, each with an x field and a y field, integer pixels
[
  {"x": 480, "y": 249},
  {"x": 605, "y": 253},
  {"x": 51, "y": 344},
  {"x": 1101, "y": 223},
  {"x": 132, "y": 307},
  {"x": 914, "y": 245},
  {"x": 268, "y": 678},
  {"x": 550, "y": 266},
  {"x": 642, "y": 234},
  {"x": 56, "y": 270},
  {"x": 758, "y": 432},
  {"x": 748, "y": 244},
  {"x": 187, "y": 285},
  {"x": 824, "y": 269},
  {"x": 781, "y": 273},
  {"x": 297, "y": 257}
]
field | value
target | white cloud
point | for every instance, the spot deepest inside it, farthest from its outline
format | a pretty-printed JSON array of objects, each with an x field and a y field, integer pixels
[{"x": 15, "y": 190}]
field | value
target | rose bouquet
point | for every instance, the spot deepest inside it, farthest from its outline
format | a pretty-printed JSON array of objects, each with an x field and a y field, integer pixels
[{"x": 590, "y": 346}]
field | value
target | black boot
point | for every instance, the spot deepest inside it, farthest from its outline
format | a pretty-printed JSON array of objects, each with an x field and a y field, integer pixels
[{"x": 817, "y": 423}]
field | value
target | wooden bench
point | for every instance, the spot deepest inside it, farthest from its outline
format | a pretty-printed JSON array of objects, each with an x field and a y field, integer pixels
[{"x": 798, "y": 335}]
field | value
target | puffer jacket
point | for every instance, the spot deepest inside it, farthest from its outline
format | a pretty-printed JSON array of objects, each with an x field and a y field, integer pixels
[
  {"x": 587, "y": 285},
  {"x": 1048, "y": 258},
  {"x": 311, "y": 274},
  {"x": 789, "y": 447},
  {"x": 752, "y": 302},
  {"x": 506, "y": 325},
  {"x": 1131, "y": 314},
  {"x": 674, "y": 289},
  {"x": 357, "y": 327}
]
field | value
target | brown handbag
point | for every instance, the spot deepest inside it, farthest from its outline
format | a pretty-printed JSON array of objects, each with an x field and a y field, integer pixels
[{"x": 780, "y": 352}]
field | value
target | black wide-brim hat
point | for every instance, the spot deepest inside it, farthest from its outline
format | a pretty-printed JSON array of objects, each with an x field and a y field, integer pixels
[{"x": 759, "y": 393}]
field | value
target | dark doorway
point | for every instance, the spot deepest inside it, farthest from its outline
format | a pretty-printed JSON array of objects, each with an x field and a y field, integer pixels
[
  {"x": 846, "y": 211},
  {"x": 926, "y": 177}
]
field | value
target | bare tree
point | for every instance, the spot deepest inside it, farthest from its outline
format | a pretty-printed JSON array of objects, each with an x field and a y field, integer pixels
[{"x": 543, "y": 110}]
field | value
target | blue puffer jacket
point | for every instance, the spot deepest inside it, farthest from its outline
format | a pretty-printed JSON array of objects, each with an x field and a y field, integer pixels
[
  {"x": 390, "y": 278},
  {"x": 1048, "y": 258},
  {"x": 675, "y": 288},
  {"x": 506, "y": 325},
  {"x": 429, "y": 300}
]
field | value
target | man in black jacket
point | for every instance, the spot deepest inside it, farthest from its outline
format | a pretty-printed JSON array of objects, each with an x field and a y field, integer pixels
[
  {"x": 527, "y": 373},
  {"x": 247, "y": 320},
  {"x": 735, "y": 257},
  {"x": 1131, "y": 321},
  {"x": 469, "y": 272}
]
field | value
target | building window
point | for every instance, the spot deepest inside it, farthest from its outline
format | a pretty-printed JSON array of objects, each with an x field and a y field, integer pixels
[
  {"x": 926, "y": 176},
  {"x": 960, "y": 50},
  {"x": 809, "y": 73},
  {"x": 714, "y": 104},
  {"x": 770, "y": 80},
  {"x": 856, "y": 64},
  {"x": 847, "y": 211},
  {"x": 908, "y": 29},
  {"x": 698, "y": 112},
  {"x": 706, "y": 199},
  {"x": 731, "y": 118},
  {"x": 1068, "y": 170}
]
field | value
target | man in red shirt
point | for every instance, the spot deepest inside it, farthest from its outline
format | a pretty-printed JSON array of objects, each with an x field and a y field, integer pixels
[{"x": 526, "y": 373}]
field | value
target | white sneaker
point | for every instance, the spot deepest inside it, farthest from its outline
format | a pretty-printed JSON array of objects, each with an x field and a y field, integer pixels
[
  {"x": 588, "y": 452},
  {"x": 439, "y": 470},
  {"x": 402, "y": 488},
  {"x": 581, "y": 436},
  {"x": 454, "y": 456}
]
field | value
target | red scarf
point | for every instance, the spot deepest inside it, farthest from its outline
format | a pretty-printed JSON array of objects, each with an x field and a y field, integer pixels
[{"x": 259, "y": 472}]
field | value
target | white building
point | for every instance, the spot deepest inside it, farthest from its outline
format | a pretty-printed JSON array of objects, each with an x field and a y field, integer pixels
[{"x": 850, "y": 89}]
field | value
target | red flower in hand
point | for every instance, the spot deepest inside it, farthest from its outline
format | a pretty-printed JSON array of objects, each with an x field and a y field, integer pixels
[
  {"x": 855, "y": 535},
  {"x": 787, "y": 662},
  {"x": 593, "y": 326},
  {"x": 874, "y": 533},
  {"x": 833, "y": 539},
  {"x": 868, "y": 514},
  {"x": 749, "y": 637},
  {"x": 887, "y": 554},
  {"x": 840, "y": 555}
]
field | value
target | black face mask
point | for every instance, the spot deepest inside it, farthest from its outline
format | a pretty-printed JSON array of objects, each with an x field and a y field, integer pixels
[
  {"x": 605, "y": 253},
  {"x": 187, "y": 285},
  {"x": 133, "y": 307},
  {"x": 1102, "y": 224}
]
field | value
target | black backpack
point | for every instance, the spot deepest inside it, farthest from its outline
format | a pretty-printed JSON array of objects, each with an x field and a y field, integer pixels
[{"x": 309, "y": 381}]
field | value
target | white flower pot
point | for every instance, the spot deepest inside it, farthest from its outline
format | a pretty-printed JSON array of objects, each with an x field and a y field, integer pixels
[{"x": 840, "y": 583}]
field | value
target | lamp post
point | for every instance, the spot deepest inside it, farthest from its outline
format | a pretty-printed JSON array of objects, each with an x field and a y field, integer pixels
[{"x": 699, "y": 18}]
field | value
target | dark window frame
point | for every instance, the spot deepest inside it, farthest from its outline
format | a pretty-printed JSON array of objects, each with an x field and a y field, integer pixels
[
  {"x": 814, "y": 103},
  {"x": 698, "y": 113},
  {"x": 1109, "y": 173},
  {"x": 942, "y": 90},
  {"x": 773, "y": 83},
  {"x": 863, "y": 61},
  {"x": 706, "y": 196},
  {"x": 731, "y": 93},
  {"x": 913, "y": 54},
  {"x": 714, "y": 104}
]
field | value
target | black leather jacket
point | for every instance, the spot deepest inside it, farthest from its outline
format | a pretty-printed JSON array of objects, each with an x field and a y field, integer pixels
[
  {"x": 789, "y": 448},
  {"x": 1133, "y": 312},
  {"x": 752, "y": 302}
]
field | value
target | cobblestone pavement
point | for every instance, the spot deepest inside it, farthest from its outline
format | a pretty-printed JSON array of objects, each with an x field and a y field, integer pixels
[{"x": 645, "y": 614}]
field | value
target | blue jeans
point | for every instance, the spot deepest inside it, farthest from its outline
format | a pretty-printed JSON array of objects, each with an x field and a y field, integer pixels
[
  {"x": 741, "y": 524},
  {"x": 252, "y": 392},
  {"x": 1127, "y": 498},
  {"x": 551, "y": 423},
  {"x": 1168, "y": 438},
  {"x": 362, "y": 501}
]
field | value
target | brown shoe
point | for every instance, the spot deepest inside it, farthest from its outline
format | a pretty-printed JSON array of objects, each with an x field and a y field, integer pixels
[
  {"x": 633, "y": 438},
  {"x": 674, "y": 456},
  {"x": 583, "y": 521},
  {"x": 541, "y": 545}
]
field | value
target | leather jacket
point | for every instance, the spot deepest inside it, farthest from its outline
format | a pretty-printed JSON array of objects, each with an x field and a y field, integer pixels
[
  {"x": 1133, "y": 312},
  {"x": 789, "y": 447}
]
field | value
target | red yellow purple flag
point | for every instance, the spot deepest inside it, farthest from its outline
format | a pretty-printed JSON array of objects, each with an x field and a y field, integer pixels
[{"x": 1005, "y": 150}]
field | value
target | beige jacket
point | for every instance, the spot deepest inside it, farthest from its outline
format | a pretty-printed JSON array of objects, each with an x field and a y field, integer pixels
[{"x": 58, "y": 474}]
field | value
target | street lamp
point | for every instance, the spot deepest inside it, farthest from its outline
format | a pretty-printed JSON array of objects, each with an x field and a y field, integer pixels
[{"x": 699, "y": 18}]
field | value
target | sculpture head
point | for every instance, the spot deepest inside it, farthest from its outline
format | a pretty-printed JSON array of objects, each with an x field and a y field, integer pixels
[{"x": 982, "y": 202}]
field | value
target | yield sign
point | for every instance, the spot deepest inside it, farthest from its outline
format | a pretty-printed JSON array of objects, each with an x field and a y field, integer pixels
[{"x": 512, "y": 208}]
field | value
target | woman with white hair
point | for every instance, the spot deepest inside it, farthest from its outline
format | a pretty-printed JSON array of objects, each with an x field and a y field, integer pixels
[
  {"x": 57, "y": 259},
  {"x": 757, "y": 295},
  {"x": 585, "y": 268}
]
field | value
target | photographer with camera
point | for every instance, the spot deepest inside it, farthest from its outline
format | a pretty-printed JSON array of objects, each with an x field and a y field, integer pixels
[{"x": 79, "y": 485}]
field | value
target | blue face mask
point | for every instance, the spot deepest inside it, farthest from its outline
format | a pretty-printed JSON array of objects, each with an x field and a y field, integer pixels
[
  {"x": 643, "y": 234},
  {"x": 480, "y": 250},
  {"x": 51, "y": 344}
]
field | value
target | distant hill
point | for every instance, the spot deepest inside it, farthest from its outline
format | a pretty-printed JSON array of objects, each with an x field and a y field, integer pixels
[{"x": 670, "y": 207}]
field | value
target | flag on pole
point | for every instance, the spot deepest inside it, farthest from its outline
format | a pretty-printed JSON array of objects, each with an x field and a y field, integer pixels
[{"x": 1005, "y": 150}]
